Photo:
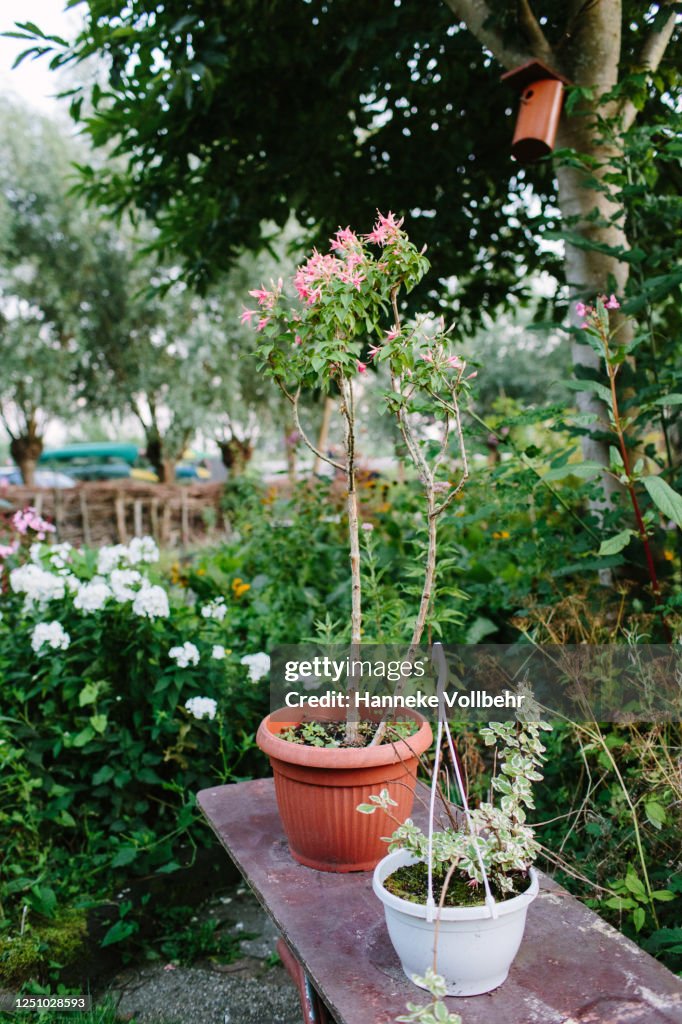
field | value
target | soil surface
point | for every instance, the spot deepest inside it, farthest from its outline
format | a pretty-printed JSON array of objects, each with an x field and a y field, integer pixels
[{"x": 411, "y": 883}]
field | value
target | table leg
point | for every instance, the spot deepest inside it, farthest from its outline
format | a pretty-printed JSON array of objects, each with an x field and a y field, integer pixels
[{"x": 314, "y": 1010}]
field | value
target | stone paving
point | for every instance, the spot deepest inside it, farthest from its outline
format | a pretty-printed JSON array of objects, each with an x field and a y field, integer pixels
[{"x": 249, "y": 991}]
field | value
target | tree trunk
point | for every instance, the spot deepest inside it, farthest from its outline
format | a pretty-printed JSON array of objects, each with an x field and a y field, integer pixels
[
  {"x": 167, "y": 471},
  {"x": 26, "y": 450},
  {"x": 236, "y": 455}
]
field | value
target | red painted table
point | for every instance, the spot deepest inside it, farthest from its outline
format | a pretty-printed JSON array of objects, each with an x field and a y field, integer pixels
[{"x": 572, "y": 967}]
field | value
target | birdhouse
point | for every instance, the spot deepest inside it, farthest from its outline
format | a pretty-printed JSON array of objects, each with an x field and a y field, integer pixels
[{"x": 541, "y": 92}]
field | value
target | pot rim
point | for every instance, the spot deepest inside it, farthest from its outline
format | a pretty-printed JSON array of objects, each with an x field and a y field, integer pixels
[
  {"x": 401, "y": 858},
  {"x": 334, "y": 757}
]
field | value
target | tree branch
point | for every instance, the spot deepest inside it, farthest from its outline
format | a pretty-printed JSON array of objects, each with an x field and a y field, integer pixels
[
  {"x": 476, "y": 15},
  {"x": 650, "y": 56},
  {"x": 304, "y": 437},
  {"x": 530, "y": 26}
]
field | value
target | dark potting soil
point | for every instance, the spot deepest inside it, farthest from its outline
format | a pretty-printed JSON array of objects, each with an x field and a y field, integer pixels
[
  {"x": 333, "y": 734},
  {"x": 411, "y": 883}
]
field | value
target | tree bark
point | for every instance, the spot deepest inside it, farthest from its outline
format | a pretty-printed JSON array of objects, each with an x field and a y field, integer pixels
[{"x": 26, "y": 450}]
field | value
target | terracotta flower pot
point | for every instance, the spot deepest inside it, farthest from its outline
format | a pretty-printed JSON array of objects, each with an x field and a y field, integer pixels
[{"x": 318, "y": 790}]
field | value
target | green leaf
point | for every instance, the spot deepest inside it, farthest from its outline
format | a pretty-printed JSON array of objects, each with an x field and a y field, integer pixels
[
  {"x": 105, "y": 773},
  {"x": 612, "y": 545},
  {"x": 88, "y": 694},
  {"x": 638, "y": 917},
  {"x": 583, "y": 470},
  {"x": 664, "y": 498},
  {"x": 126, "y": 855},
  {"x": 43, "y": 900},
  {"x": 674, "y": 399},
  {"x": 84, "y": 736},
  {"x": 633, "y": 883},
  {"x": 655, "y": 813},
  {"x": 591, "y": 385},
  {"x": 119, "y": 931},
  {"x": 663, "y": 895},
  {"x": 98, "y": 723},
  {"x": 479, "y": 628}
]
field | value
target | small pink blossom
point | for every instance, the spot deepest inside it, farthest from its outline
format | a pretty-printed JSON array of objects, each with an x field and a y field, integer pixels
[
  {"x": 169, "y": 967},
  {"x": 298, "y": 340},
  {"x": 29, "y": 519},
  {"x": 612, "y": 303},
  {"x": 262, "y": 323},
  {"x": 393, "y": 334},
  {"x": 470, "y": 376},
  {"x": 455, "y": 362},
  {"x": 362, "y": 367},
  {"x": 368, "y": 527},
  {"x": 581, "y": 308},
  {"x": 372, "y": 351},
  {"x": 385, "y": 230},
  {"x": 426, "y": 356},
  {"x": 9, "y": 549},
  {"x": 344, "y": 240},
  {"x": 248, "y": 315}
]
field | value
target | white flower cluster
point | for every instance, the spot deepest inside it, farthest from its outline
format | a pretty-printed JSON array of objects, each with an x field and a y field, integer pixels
[
  {"x": 216, "y": 609},
  {"x": 186, "y": 655},
  {"x": 201, "y": 706},
  {"x": 92, "y": 596},
  {"x": 39, "y": 585},
  {"x": 151, "y": 603},
  {"x": 259, "y": 665},
  {"x": 218, "y": 652},
  {"x": 50, "y": 634},
  {"x": 50, "y": 575},
  {"x": 140, "y": 549}
]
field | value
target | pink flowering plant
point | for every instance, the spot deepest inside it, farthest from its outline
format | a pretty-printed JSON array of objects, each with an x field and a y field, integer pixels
[{"x": 341, "y": 315}]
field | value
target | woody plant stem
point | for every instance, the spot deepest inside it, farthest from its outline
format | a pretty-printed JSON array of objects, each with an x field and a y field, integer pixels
[{"x": 403, "y": 390}]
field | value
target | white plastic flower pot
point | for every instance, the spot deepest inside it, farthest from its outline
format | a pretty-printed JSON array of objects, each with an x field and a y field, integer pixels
[{"x": 475, "y": 950}]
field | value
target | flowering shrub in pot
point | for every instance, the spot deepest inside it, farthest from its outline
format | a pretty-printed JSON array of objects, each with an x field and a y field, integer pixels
[
  {"x": 456, "y": 900},
  {"x": 347, "y": 315}
]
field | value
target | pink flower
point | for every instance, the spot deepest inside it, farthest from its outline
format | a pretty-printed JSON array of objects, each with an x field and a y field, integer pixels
[
  {"x": 580, "y": 308},
  {"x": 261, "y": 294},
  {"x": 169, "y": 967},
  {"x": 9, "y": 549},
  {"x": 28, "y": 519},
  {"x": 393, "y": 334},
  {"x": 612, "y": 303},
  {"x": 372, "y": 351},
  {"x": 455, "y": 362},
  {"x": 298, "y": 340},
  {"x": 426, "y": 356},
  {"x": 362, "y": 367},
  {"x": 470, "y": 376},
  {"x": 262, "y": 323},
  {"x": 345, "y": 240},
  {"x": 248, "y": 315},
  {"x": 385, "y": 230}
]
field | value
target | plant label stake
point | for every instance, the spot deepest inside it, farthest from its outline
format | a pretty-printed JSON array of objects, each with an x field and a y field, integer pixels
[{"x": 537, "y": 121}]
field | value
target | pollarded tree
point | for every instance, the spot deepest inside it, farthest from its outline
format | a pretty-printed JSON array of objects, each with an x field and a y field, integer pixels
[{"x": 54, "y": 282}]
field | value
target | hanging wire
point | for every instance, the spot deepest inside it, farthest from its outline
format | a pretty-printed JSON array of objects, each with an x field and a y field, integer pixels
[{"x": 438, "y": 659}]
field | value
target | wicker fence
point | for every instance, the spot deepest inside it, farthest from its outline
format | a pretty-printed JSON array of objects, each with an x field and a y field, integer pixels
[{"x": 110, "y": 513}]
